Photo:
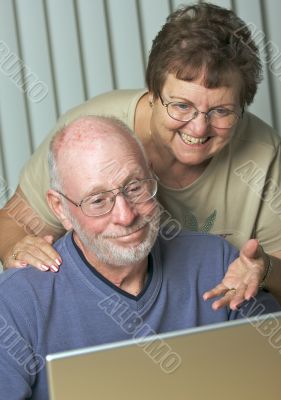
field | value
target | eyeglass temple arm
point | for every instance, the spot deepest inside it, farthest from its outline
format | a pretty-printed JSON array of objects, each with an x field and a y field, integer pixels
[{"x": 67, "y": 198}]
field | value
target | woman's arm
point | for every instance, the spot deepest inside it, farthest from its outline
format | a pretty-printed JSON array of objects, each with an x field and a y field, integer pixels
[{"x": 25, "y": 238}]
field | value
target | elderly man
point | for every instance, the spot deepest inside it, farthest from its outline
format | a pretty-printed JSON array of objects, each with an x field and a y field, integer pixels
[{"x": 117, "y": 274}]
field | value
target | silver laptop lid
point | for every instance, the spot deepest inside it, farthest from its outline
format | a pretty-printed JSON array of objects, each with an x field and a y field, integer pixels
[{"x": 233, "y": 360}]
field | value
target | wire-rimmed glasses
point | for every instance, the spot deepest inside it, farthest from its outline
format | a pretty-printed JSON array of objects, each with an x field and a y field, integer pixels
[
  {"x": 218, "y": 117},
  {"x": 136, "y": 192}
]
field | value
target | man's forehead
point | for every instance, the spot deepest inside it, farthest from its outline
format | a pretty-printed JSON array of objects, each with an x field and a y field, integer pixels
[
  {"x": 117, "y": 170},
  {"x": 107, "y": 164},
  {"x": 116, "y": 167}
]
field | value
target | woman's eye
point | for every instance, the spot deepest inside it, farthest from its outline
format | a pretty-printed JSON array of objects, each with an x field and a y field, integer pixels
[
  {"x": 181, "y": 106},
  {"x": 221, "y": 111},
  {"x": 134, "y": 187}
]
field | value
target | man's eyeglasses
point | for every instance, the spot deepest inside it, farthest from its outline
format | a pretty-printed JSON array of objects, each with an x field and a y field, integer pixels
[
  {"x": 219, "y": 117},
  {"x": 137, "y": 191}
]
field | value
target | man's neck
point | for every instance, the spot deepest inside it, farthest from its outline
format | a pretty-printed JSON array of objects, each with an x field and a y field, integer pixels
[{"x": 131, "y": 278}]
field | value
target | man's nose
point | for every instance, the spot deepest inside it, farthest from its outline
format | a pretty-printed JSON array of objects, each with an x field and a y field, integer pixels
[{"x": 123, "y": 212}]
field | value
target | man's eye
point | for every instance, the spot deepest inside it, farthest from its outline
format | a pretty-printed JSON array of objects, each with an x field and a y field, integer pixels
[{"x": 96, "y": 201}]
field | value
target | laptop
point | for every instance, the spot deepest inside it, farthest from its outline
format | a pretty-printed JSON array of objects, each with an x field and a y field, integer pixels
[{"x": 234, "y": 360}]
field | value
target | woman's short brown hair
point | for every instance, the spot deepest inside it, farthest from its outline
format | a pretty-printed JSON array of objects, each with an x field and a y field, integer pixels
[{"x": 209, "y": 40}]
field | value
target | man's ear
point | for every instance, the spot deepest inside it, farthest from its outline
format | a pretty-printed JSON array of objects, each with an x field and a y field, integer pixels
[{"x": 55, "y": 204}]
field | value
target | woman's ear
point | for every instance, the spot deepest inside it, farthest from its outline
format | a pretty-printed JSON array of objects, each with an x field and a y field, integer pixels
[
  {"x": 55, "y": 203},
  {"x": 150, "y": 99}
]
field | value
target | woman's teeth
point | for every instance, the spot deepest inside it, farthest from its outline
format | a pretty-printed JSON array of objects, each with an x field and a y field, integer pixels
[{"x": 193, "y": 140}]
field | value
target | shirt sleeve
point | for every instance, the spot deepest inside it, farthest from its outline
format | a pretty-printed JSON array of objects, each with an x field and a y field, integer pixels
[{"x": 268, "y": 226}]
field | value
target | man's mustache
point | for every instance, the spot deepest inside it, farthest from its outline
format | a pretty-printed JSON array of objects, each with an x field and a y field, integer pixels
[{"x": 152, "y": 220}]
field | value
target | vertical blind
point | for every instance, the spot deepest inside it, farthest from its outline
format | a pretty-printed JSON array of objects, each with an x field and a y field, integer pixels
[{"x": 55, "y": 54}]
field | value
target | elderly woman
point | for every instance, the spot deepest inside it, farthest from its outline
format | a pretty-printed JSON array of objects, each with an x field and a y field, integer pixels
[{"x": 218, "y": 166}]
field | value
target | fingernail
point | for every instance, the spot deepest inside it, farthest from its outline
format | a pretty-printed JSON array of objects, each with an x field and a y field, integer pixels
[
  {"x": 54, "y": 268},
  {"x": 23, "y": 264},
  {"x": 44, "y": 267},
  {"x": 58, "y": 261}
]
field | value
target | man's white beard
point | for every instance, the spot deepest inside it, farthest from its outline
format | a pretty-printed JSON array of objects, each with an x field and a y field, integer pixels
[{"x": 112, "y": 254}]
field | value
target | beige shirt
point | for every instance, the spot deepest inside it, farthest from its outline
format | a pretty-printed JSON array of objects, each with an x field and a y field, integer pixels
[{"x": 228, "y": 199}]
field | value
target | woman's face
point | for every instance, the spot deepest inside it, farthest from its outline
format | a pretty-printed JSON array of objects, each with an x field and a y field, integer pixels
[{"x": 194, "y": 142}]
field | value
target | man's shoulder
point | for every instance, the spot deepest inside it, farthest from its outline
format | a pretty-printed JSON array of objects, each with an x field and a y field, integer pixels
[
  {"x": 17, "y": 284},
  {"x": 195, "y": 253},
  {"x": 62, "y": 244},
  {"x": 191, "y": 240}
]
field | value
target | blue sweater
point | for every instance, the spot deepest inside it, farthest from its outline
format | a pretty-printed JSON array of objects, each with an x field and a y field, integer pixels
[{"x": 42, "y": 313}]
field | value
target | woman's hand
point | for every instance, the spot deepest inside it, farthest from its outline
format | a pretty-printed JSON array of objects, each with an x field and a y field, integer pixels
[
  {"x": 243, "y": 278},
  {"x": 35, "y": 251}
]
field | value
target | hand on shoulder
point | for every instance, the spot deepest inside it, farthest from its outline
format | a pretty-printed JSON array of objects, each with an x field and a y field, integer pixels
[{"x": 36, "y": 251}]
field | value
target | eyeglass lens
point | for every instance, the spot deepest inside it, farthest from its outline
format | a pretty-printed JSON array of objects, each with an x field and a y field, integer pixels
[{"x": 136, "y": 192}]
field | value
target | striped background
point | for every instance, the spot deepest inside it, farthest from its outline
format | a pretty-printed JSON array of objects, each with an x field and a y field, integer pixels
[{"x": 55, "y": 54}]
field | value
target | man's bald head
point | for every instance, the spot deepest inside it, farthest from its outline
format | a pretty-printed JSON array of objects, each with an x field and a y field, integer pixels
[{"x": 94, "y": 135}]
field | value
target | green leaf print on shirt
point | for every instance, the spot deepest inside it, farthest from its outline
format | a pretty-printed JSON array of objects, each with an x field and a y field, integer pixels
[{"x": 191, "y": 222}]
